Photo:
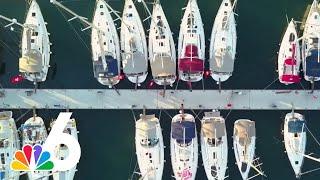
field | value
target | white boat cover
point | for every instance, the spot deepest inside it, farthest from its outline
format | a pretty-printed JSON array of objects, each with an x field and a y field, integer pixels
[
  {"x": 245, "y": 130},
  {"x": 134, "y": 63},
  {"x": 31, "y": 62},
  {"x": 163, "y": 65},
  {"x": 222, "y": 63},
  {"x": 213, "y": 129},
  {"x": 147, "y": 128}
]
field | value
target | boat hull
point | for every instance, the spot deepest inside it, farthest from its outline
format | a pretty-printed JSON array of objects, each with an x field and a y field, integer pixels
[
  {"x": 133, "y": 45},
  {"x": 214, "y": 154},
  {"x": 105, "y": 46},
  {"x": 34, "y": 132},
  {"x": 35, "y": 46},
  {"x": 191, "y": 44},
  {"x": 244, "y": 161},
  {"x": 223, "y": 43},
  {"x": 187, "y": 168},
  {"x": 295, "y": 144},
  {"x": 8, "y": 132},
  {"x": 150, "y": 157},
  {"x": 310, "y": 45},
  {"x": 289, "y": 58},
  {"x": 162, "y": 53}
]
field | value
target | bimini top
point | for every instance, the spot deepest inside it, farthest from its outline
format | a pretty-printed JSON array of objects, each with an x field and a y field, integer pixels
[
  {"x": 245, "y": 130},
  {"x": 183, "y": 132},
  {"x": 213, "y": 129},
  {"x": 31, "y": 62},
  {"x": 222, "y": 63},
  {"x": 134, "y": 63},
  {"x": 191, "y": 61},
  {"x": 163, "y": 65},
  {"x": 296, "y": 126},
  {"x": 111, "y": 67},
  {"x": 147, "y": 128},
  {"x": 312, "y": 64},
  {"x": 288, "y": 75}
]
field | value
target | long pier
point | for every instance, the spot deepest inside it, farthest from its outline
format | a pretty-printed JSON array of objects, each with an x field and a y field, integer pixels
[{"x": 153, "y": 99}]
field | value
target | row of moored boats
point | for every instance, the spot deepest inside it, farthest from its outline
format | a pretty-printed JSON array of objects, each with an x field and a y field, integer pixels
[
  {"x": 295, "y": 50},
  {"x": 32, "y": 132},
  {"x": 214, "y": 145},
  {"x": 130, "y": 53},
  {"x": 128, "y": 56}
]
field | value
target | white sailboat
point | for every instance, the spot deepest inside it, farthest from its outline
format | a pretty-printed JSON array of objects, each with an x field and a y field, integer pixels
[
  {"x": 105, "y": 46},
  {"x": 311, "y": 44},
  {"x": 62, "y": 152},
  {"x": 149, "y": 147},
  {"x": 289, "y": 58},
  {"x": 35, "y": 46},
  {"x": 104, "y": 42},
  {"x": 184, "y": 146},
  {"x": 133, "y": 45},
  {"x": 9, "y": 144},
  {"x": 191, "y": 44},
  {"x": 244, "y": 142},
  {"x": 34, "y": 132},
  {"x": 214, "y": 145},
  {"x": 295, "y": 139},
  {"x": 223, "y": 43},
  {"x": 162, "y": 53}
]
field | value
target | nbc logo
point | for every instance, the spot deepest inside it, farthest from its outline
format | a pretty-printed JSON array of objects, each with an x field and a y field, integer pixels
[
  {"x": 41, "y": 158},
  {"x": 32, "y": 159}
]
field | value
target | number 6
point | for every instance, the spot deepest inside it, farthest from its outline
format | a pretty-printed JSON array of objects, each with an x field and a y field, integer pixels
[{"x": 57, "y": 137}]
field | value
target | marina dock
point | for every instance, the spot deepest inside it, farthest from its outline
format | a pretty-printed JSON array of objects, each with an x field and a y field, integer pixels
[{"x": 153, "y": 99}]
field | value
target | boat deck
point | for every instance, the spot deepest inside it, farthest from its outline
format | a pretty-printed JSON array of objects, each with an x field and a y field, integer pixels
[{"x": 153, "y": 99}]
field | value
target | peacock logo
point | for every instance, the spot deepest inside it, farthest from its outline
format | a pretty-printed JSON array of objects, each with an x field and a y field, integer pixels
[{"x": 32, "y": 158}]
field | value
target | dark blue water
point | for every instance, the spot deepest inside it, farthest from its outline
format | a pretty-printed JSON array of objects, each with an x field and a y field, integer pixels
[{"x": 107, "y": 137}]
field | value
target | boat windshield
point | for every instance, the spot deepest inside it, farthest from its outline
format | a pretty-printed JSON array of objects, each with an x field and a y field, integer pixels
[{"x": 149, "y": 142}]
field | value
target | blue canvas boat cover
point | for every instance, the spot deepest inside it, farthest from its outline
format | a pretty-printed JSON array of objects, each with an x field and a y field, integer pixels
[
  {"x": 296, "y": 126},
  {"x": 312, "y": 64},
  {"x": 183, "y": 132},
  {"x": 110, "y": 71}
]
